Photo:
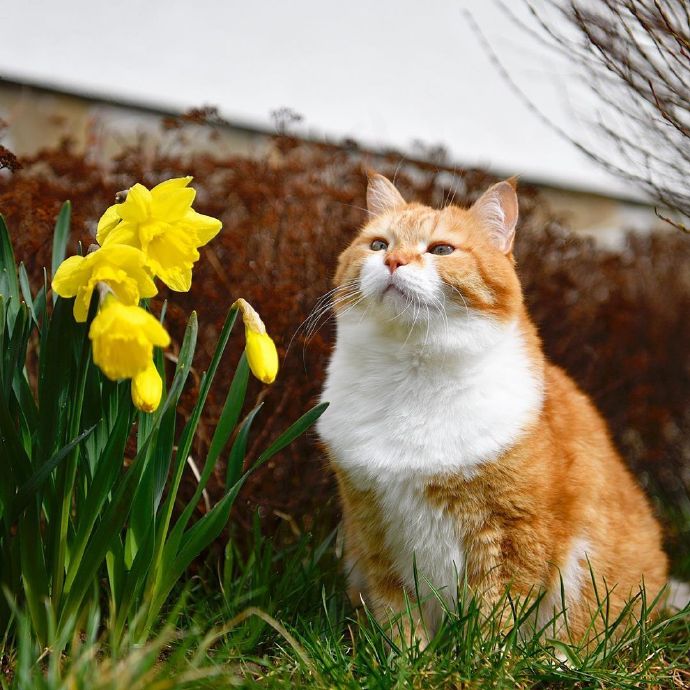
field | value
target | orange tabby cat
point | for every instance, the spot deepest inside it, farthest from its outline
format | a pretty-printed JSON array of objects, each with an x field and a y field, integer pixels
[{"x": 457, "y": 447}]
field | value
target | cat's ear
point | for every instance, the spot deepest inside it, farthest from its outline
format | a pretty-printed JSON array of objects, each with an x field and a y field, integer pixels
[
  {"x": 382, "y": 194},
  {"x": 497, "y": 208}
]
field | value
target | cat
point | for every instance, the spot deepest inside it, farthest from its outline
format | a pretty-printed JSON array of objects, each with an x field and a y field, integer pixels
[{"x": 461, "y": 454}]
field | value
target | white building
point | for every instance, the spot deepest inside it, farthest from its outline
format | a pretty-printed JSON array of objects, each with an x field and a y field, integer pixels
[{"x": 386, "y": 73}]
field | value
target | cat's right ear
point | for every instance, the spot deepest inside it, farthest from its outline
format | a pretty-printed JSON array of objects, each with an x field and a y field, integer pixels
[
  {"x": 498, "y": 210},
  {"x": 382, "y": 195}
]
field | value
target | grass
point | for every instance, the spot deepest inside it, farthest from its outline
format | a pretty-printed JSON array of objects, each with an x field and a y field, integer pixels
[{"x": 279, "y": 618}]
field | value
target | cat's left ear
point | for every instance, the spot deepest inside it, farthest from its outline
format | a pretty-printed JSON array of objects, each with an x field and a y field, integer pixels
[
  {"x": 498, "y": 210},
  {"x": 382, "y": 194}
]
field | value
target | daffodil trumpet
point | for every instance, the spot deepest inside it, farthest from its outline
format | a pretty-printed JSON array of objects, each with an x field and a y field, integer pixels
[{"x": 123, "y": 338}]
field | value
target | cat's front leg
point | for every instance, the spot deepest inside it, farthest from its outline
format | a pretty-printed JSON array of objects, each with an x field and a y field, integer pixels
[{"x": 396, "y": 611}]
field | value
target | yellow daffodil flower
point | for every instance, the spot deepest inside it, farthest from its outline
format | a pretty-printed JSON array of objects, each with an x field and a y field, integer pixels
[
  {"x": 162, "y": 223},
  {"x": 123, "y": 338},
  {"x": 120, "y": 267},
  {"x": 147, "y": 389},
  {"x": 262, "y": 355}
]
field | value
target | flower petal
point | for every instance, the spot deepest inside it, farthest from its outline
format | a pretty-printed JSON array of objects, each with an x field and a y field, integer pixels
[
  {"x": 69, "y": 276},
  {"x": 206, "y": 227},
  {"x": 137, "y": 206},
  {"x": 177, "y": 278},
  {"x": 107, "y": 222},
  {"x": 173, "y": 183},
  {"x": 147, "y": 389},
  {"x": 123, "y": 338},
  {"x": 171, "y": 204},
  {"x": 262, "y": 356},
  {"x": 124, "y": 233},
  {"x": 171, "y": 257}
]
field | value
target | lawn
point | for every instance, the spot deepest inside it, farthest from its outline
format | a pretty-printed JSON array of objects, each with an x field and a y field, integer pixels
[{"x": 278, "y": 617}]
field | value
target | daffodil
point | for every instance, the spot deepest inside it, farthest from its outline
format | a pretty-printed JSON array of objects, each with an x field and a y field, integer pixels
[
  {"x": 162, "y": 223},
  {"x": 147, "y": 389},
  {"x": 121, "y": 268},
  {"x": 123, "y": 338},
  {"x": 262, "y": 355}
]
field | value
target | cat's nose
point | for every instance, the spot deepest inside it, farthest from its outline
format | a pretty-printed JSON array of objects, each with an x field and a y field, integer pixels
[{"x": 394, "y": 260}]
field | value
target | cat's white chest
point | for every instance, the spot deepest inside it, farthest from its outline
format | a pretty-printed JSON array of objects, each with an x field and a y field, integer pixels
[
  {"x": 421, "y": 409},
  {"x": 403, "y": 413}
]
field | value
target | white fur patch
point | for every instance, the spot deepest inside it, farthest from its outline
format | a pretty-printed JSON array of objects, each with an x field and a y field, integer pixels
[
  {"x": 678, "y": 595},
  {"x": 418, "y": 532},
  {"x": 417, "y": 389},
  {"x": 567, "y": 588}
]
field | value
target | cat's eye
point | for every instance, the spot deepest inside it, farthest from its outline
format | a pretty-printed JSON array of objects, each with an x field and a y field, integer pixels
[
  {"x": 379, "y": 245},
  {"x": 441, "y": 249}
]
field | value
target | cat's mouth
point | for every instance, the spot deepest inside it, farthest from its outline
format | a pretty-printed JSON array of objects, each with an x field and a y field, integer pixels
[{"x": 394, "y": 290}]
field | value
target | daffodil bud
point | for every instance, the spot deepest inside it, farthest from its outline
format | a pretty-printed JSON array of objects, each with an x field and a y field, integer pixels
[
  {"x": 147, "y": 389},
  {"x": 262, "y": 355}
]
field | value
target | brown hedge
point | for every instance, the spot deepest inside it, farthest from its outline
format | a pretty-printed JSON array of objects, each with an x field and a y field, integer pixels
[{"x": 618, "y": 322}]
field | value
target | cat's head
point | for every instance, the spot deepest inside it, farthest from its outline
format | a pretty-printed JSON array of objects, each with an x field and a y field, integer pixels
[{"x": 414, "y": 264}]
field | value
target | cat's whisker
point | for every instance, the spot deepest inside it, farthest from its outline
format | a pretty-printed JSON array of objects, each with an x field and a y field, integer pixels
[
  {"x": 322, "y": 306},
  {"x": 312, "y": 321},
  {"x": 462, "y": 297},
  {"x": 315, "y": 323},
  {"x": 428, "y": 324},
  {"x": 414, "y": 322}
]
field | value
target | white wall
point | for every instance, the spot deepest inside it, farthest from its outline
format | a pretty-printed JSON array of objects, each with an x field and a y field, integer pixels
[{"x": 386, "y": 72}]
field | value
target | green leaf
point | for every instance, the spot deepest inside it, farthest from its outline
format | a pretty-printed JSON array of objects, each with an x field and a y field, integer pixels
[
  {"x": 108, "y": 470},
  {"x": 115, "y": 514},
  {"x": 9, "y": 285},
  {"x": 112, "y": 520},
  {"x": 194, "y": 541},
  {"x": 34, "y": 572},
  {"x": 60, "y": 238},
  {"x": 226, "y": 424},
  {"x": 56, "y": 374},
  {"x": 239, "y": 450},
  {"x": 291, "y": 433},
  {"x": 26, "y": 291},
  {"x": 186, "y": 439},
  {"x": 231, "y": 410},
  {"x": 29, "y": 489}
]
